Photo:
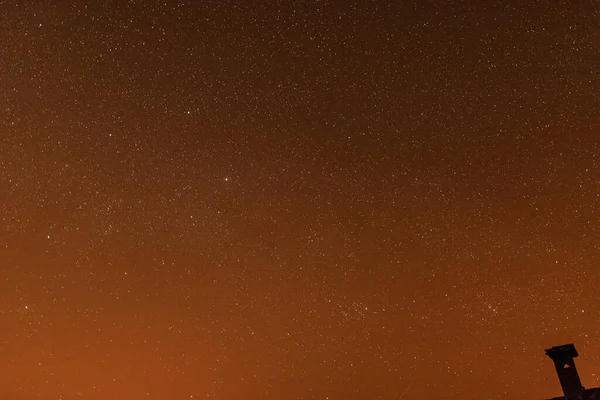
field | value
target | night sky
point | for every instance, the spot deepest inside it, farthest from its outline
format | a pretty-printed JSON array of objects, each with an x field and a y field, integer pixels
[{"x": 266, "y": 200}]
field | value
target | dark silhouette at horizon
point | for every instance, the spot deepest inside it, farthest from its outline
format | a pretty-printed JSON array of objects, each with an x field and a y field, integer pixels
[{"x": 563, "y": 357}]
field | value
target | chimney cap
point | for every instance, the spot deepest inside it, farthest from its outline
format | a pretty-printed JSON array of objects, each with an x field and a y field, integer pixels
[{"x": 565, "y": 350}]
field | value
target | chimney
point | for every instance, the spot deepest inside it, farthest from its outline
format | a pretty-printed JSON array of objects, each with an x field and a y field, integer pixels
[{"x": 565, "y": 368}]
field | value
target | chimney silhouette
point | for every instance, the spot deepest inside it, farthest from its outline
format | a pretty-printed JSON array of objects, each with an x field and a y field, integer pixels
[{"x": 565, "y": 368}]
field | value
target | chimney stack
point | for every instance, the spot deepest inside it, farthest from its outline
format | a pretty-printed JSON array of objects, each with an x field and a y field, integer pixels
[{"x": 565, "y": 368}]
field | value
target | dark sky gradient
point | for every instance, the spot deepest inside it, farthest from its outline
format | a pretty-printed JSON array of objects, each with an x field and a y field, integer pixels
[{"x": 297, "y": 199}]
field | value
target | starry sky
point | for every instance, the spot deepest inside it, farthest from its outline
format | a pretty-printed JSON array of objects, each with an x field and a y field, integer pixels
[{"x": 310, "y": 199}]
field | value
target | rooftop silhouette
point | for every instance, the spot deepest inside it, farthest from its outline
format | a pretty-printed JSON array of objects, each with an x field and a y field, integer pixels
[{"x": 563, "y": 357}]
